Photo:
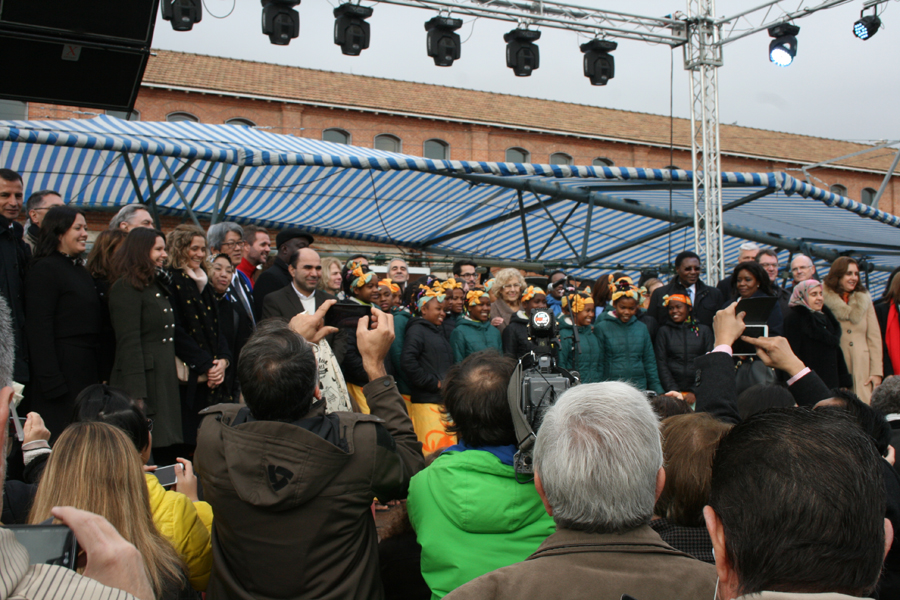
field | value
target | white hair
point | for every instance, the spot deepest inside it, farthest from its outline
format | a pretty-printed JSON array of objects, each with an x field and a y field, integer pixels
[
  {"x": 126, "y": 213},
  {"x": 749, "y": 246},
  {"x": 800, "y": 257},
  {"x": 598, "y": 453}
]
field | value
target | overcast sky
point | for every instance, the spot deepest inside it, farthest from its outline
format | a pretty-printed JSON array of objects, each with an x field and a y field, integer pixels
[{"x": 838, "y": 87}]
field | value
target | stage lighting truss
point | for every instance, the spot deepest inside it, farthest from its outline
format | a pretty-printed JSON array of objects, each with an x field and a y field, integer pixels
[
  {"x": 866, "y": 26},
  {"x": 599, "y": 64},
  {"x": 351, "y": 32},
  {"x": 522, "y": 54},
  {"x": 443, "y": 42},
  {"x": 183, "y": 14},
  {"x": 280, "y": 21},
  {"x": 783, "y": 48}
]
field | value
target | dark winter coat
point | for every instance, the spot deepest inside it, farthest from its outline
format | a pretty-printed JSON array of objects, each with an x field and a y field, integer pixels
[
  {"x": 472, "y": 336},
  {"x": 271, "y": 280},
  {"x": 449, "y": 324},
  {"x": 627, "y": 352},
  {"x": 14, "y": 257},
  {"x": 515, "y": 338},
  {"x": 817, "y": 342},
  {"x": 587, "y": 358},
  {"x": 65, "y": 317},
  {"x": 426, "y": 358},
  {"x": 707, "y": 301},
  {"x": 677, "y": 345}
]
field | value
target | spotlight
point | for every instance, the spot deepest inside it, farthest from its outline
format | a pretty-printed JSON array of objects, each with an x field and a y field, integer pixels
[
  {"x": 351, "y": 32},
  {"x": 783, "y": 48},
  {"x": 443, "y": 41},
  {"x": 522, "y": 55},
  {"x": 866, "y": 27},
  {"x": 280, "y": 21},
  {"x": 182, "y": 13},
  {"x": 599, "y": 64}
]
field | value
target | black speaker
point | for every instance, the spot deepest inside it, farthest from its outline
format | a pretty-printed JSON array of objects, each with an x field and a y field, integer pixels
[{"x": 90, "y": 53}]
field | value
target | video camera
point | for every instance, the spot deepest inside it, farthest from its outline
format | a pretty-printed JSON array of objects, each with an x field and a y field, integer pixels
[{"x": 533, "y": 390}]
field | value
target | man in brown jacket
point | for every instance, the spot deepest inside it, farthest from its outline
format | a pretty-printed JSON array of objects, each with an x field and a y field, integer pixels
[
  {"x": 291, "y": 486},
  {"x": 598, "y": 469}
]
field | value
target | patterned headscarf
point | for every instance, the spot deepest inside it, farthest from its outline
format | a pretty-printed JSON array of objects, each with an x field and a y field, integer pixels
[
  {"x": 358, "y": 276},
  {"x": 679, "y": 297},
  {"x": 473, "y": 298},
  {"x": 800, "y": 296},
  {"x": 624, "y": 288},
  {"x": 395, "y": 289},
  {"x": 488, "y": 285},
  {"x": 576, "y": 302},
  {"x": 451, "y": 284},
  {"x": 531, "y": 292},
  {"x": 426, "y": 294}
]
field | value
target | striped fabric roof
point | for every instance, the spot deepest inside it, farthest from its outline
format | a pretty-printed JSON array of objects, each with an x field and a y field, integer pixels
[{"x": 372, "y": 195}]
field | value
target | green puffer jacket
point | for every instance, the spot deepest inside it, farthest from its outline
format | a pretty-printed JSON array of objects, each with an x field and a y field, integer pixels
[
  {"x": 627, "y": 352},
  {"x": 471, "y": 517},
  {"x": 401, "y": 320},
  {"x": 589, "y": 361},
  {"x": 472, "y": 336}
]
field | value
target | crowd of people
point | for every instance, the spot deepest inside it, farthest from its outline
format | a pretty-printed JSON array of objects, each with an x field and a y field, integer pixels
[{"x": 298, "y": 396}]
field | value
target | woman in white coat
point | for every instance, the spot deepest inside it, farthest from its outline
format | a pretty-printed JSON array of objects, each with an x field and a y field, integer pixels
[{"x": 860, "y": 333}]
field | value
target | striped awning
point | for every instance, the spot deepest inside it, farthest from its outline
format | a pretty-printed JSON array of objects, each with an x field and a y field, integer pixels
[{"x": 249, "y": 175}]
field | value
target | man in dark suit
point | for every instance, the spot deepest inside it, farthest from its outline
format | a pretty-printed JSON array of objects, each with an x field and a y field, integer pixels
[
  {"x": 278, "y": 276},
  {"x": 14, "y": 257},
  {"x": 300, "y": 295},
  {"x": 706, "y": 299}
]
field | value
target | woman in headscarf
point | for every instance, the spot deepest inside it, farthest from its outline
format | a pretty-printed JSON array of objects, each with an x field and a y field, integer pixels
[{"x": 815, "y": 334}]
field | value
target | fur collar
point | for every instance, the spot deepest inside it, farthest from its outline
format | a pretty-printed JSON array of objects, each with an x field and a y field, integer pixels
[{"x": 854, "y": 311}]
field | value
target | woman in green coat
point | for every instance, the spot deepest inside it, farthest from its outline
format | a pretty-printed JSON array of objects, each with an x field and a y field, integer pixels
[
  {"x": 144, "y": 325},
  {"x": 474, "y": 332},
  {"x": 585, "y": 355}
]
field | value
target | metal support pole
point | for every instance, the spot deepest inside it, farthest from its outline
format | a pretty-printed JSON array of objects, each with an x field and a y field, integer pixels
[
  {"x": 184, "y": 199},
  {"x": 887, "y": 179},
  {"x": 524, "y": 225},
  {"x": 151, "y": 199}
]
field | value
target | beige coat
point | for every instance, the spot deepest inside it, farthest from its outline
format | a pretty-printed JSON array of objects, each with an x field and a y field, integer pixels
[{"x": 860, "y": 338}]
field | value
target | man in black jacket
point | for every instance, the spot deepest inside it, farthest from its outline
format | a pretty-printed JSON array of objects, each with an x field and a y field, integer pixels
[
  {"x": 706, "y": 300},
  {"x": 301, "y": 295},
  {"x": 278, "y": 276},
  {"x": 14, "y": 257}
]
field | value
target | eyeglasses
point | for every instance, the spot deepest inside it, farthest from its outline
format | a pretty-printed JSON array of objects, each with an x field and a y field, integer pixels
[
  {"x": 468, "y": 275},
  {"x": 239, "y": 244},
  {"x": 510, "y": 286}
]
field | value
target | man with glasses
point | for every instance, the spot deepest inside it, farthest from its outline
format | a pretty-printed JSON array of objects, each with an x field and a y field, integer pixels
[
  {"x": 465, "y": 271},
  {"x": 802, "y": 268},
  {"x": 768, "y": 260},
  {"x": 37, "y": 206},
  {"x": 705, "y": 299}
]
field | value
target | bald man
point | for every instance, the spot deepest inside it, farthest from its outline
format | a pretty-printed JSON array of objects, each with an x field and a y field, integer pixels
[{"x": 802, "y": 268}]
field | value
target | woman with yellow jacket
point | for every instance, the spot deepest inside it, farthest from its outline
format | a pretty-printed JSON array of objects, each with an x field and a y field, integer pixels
[{"x": 178, "y": 515}]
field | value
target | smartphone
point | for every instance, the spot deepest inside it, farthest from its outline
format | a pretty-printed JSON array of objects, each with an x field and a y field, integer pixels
[
  {"x": 167, "y": 475},
  {"x": 346, "y": 314},
  {"x": 742, "y": 348},
  {"x": 48, "y": 544}
]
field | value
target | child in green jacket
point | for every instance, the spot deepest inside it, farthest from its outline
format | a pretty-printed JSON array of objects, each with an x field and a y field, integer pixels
[
  {"x": 585, "y": 354},
  {"x": 474, "y": 332}
]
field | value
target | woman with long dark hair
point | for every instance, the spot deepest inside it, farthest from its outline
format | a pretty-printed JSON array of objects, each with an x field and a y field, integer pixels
[
  {"x": 64, "y": 319},
  {"x": 144, "y": 323},
  {"x": 100, "y": 266},
  {"x": 750, "y": 280}
]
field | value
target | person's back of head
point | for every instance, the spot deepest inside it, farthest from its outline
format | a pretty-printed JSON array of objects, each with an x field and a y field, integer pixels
[
  {"x": 870, "y": 420},
  {"x": 763, "y": 396},
  {"x": 278, "y": 373},
  {"x": 475, "y": 396},
  {"x": 94, "y": 467},
  {"x": 689, "y": 445},
  {"x": 799, "y": 504},
  {"x": 886, "y": 397},
  {"x": 104, "y": 404},
  {"x": 598, "y": 457},
  {"x": 669, "y": 406}
]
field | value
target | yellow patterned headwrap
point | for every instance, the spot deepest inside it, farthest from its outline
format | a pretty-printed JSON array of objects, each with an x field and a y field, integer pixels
[
  {"x": 576, "y": 302},
  {"x": 679, "y": 297},
  {"x": 429, "y": 293},
  {"x": 624, "y": 288},
  {"x": 531, "y": 292},
  {"x": 395, "y": 289},
  {"x": 473, "y": 298},
  {"x": 488, "y": 285},
  {"x": 359, "y": 278},
  {"x": 451, "y": 284}
]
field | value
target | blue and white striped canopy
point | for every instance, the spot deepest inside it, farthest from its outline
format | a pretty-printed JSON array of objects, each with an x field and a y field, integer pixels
[{"x": 251, "y": 175}]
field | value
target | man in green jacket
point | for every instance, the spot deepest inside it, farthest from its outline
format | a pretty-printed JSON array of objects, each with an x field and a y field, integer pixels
[{"x": 470, "y": 514}]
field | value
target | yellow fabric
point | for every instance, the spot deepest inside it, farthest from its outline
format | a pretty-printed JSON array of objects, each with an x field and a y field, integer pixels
[
  {"x": 395, "y": 289},
  {"x": 531, "y": 292},
  {"x": 356, "y": 393},
  {"x": 473, "y": 298},
  {"x": 451, "y": 284},
  {"x": 430, "y": 427},
  {"x": 187, "y": 526}
]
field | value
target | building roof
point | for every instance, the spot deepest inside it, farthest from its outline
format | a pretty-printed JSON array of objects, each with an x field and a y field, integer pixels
[{"x": 358, "y": 92}]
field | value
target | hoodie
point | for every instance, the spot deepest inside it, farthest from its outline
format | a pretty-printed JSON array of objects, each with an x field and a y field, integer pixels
[
  {"x": 471, "y": 336},
  {"x": 472, "y": 517}
]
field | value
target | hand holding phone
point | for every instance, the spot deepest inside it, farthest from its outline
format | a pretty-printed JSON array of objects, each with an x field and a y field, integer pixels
[
  {"x": 185, "y": 480},
  {"x": 168, "y": 476},
  {"x": 48, "y": 544}
]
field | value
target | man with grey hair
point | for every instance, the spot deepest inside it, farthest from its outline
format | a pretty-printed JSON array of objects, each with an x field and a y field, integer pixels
[
  {"x": 802, "y": 268},
  {"x": 131, "y": 216},
  {"x": 599, "y": 470},
  {"x": 398, "y": 271},
  {"x": 37, "y": 206}
]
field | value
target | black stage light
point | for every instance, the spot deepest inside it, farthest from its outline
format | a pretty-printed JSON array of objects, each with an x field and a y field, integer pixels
[
  {"x": 866, "y": 27},
  {"x": 280, "y": 21},
  {"x": 599, "y": 64},
  {"x": 783, "y": 48},
  {"x": 351, "y": 32},
  {"x": 522, "y": 54},
  {"x": 443, "y": 41},
  {"x": 182, "y": 13}
]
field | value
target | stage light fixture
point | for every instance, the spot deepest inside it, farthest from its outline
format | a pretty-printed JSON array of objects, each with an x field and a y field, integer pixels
[
  {"x": 867, "y": 26},
  {"x": 522, "y": 54},
  {"x": 280, "y": 21},
  {"x": 443, "y": 42},
  {"x": 783, "y": 48},
  {"x": 182, "y": 13},
  {"x": 599, "y": 64},
  {"x": 351, "y": 32}
]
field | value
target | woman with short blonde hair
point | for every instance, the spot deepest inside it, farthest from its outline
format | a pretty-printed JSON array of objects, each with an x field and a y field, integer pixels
[{"x": 508, "y": 287}]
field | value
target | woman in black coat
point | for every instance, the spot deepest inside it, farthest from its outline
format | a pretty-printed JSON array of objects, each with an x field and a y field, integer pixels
[
  {"x": 199, "y": 340},
  {"x": 234, "y": 322},
  {"x": 815, "y": 335},
  {"x": 678, "y": 343},
  {"x": 65, "y": 317}
]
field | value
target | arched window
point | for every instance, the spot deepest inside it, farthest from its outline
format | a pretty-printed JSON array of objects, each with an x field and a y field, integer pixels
[
  {"x": 839, "y": 189},
  {"x": 125, "y": 115},
  {"x": 560, "y": 158},
  {"x": 241, "y": 122},
  {"x": 11, "y": 110},
  {"x": 387, "y": 142},
  {"x": 336, "y": 136},
  {"x": 868, "y": 196},
  {"x": 436, "y": 150},
  {"x": 177, "y": 117},
  {"x": 518, "y": 155},
  {"x": 602, "y": 161}
]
